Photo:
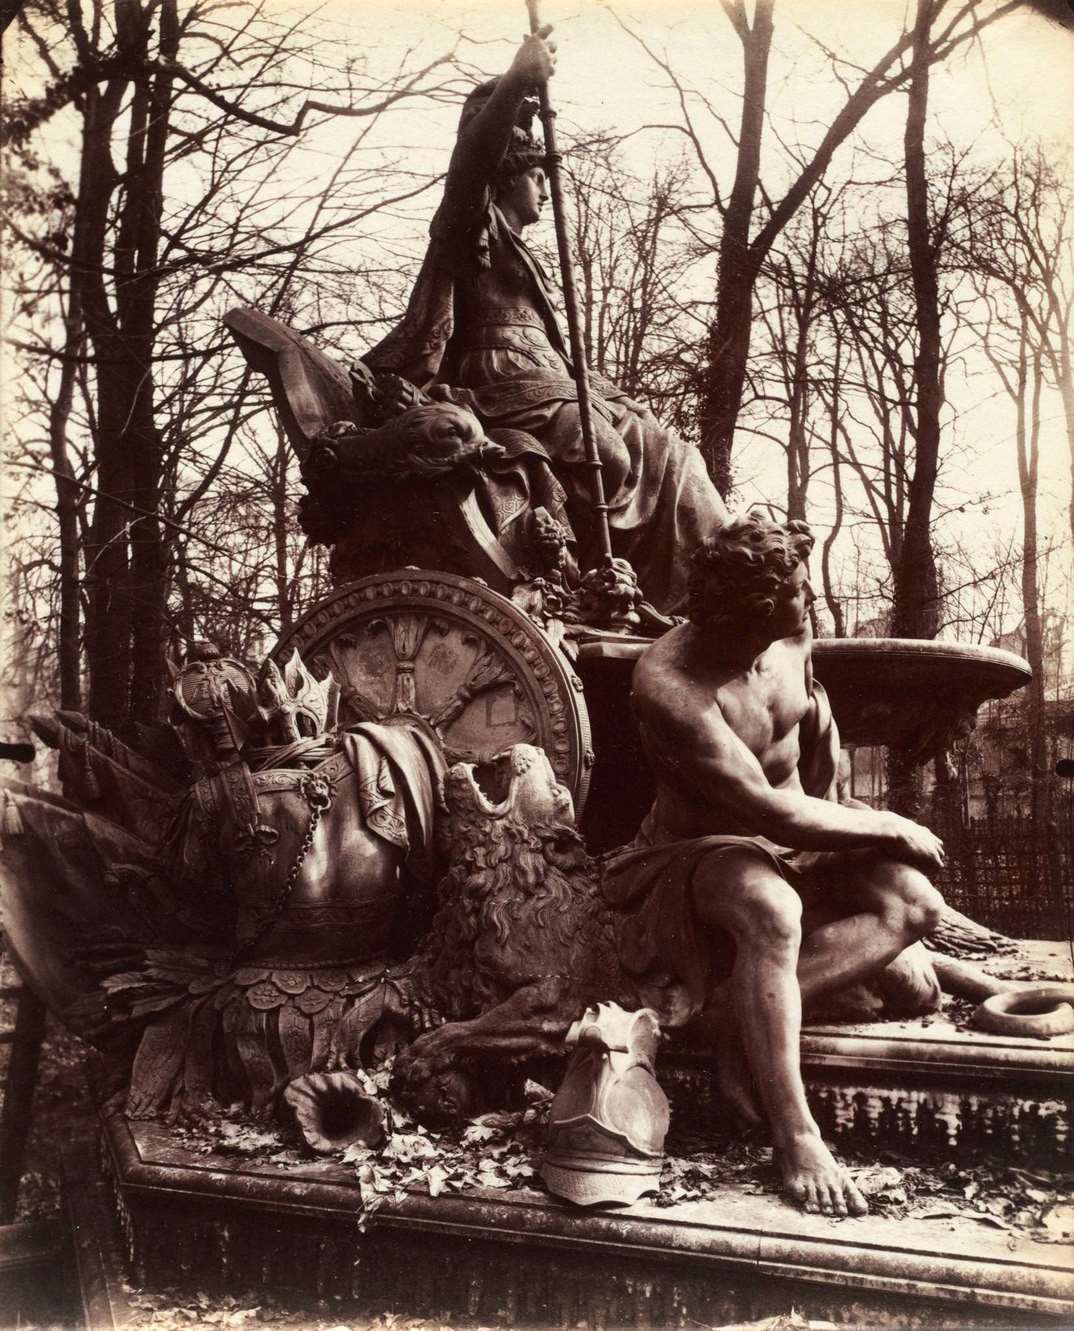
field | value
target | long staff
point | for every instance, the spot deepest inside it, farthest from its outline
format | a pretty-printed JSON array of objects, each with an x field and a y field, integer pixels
[{"x": 570, "y": 300}]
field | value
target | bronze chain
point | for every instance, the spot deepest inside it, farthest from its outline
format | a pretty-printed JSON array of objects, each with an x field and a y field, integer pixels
[{"x": 317, "y": 792}]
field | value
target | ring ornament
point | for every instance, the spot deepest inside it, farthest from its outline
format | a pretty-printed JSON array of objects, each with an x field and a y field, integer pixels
[{"x": 1042, "y": 1011}]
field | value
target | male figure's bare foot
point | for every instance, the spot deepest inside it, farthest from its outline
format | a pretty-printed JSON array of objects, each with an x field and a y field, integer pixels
[
  {"x": 733, "y": 1075},
  {"x": 814, "y": 1180}
]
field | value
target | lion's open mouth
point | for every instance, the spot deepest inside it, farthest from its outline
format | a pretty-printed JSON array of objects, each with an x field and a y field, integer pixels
[
  {"x": 491, "y": 782},
  {"x": 493, "y": 785},
  {"x": 486, "y": 786}
]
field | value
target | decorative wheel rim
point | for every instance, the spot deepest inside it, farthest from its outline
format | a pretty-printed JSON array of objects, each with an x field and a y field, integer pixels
[{"x": 457, "y": 655}]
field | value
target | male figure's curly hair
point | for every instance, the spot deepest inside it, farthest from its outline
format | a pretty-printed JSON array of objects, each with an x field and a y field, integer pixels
[{"x": 735, "y": 575}]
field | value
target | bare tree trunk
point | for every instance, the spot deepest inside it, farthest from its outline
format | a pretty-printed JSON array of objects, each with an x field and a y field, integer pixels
[
  {"x": 1027, "y": 439},
  {"x": 125, "y": 627},
  {"x": 279, "y": 531},
  {"x": 724, "y": 374},
  {"x": 915, "y": 611},
  {"x": 148, "y": 566},
  {"x": 1063, "y": 362},
  {"x": 835, "y": 608},
  {"x": 184, "y": 623},
  {"x": 798, "y": 460},
  {"x": 108, "y": 617},
  {"x": 68, "y": 500}
]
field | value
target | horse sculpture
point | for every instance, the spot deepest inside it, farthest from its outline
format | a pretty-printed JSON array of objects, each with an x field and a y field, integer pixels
[{"x": 235, "y": 916}]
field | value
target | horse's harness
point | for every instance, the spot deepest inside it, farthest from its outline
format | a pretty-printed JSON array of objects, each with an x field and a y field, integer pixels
[{"x": 240, "y": 784}]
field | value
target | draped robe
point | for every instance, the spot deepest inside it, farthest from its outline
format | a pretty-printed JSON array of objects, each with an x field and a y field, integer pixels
[{"x": 481, "y": 330}]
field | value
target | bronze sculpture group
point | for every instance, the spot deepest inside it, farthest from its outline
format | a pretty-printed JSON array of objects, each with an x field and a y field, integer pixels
[
  {"x": 297, "y": 878},
  {"x": 481, "y": 331}
]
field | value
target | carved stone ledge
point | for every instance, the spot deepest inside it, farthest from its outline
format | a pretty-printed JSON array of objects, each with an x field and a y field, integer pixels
[{"x": 518, "y": 1258}]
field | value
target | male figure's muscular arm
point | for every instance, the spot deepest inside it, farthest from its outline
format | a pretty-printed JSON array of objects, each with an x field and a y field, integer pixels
[{"x": 697, "y": 753}]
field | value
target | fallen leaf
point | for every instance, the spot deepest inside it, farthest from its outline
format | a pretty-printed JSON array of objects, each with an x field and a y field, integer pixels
[
  {"x": 1059, "y": 1222},
  {"x": 492, "y": 1181},
  {"x": 479, "y": 1132}
]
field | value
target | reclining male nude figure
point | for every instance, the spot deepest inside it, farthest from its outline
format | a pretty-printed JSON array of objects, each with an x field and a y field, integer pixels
[{"x": 745, "y": 828}]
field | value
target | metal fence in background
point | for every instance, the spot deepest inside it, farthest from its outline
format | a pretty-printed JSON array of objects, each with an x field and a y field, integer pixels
[{"x": 1013, "y": 873}]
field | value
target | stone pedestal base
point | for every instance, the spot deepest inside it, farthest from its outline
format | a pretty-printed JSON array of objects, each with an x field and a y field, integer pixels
[
  {"x": 520, "y": 1258},
  {"x": 144, "y": 1202}
]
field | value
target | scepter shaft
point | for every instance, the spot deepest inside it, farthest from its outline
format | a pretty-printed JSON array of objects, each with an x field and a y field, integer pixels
[{"x": 570, "y": 301}]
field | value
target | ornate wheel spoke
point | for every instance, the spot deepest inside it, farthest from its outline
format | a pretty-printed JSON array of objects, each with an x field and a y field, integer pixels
[
  {"x": 458, "y": 655},
  {"x": 487, "y": 671}
]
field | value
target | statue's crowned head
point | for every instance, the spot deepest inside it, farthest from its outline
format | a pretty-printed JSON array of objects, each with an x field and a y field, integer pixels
[
  {"x": 737, "y": 574},
  {"x": 525, "y": 152}
]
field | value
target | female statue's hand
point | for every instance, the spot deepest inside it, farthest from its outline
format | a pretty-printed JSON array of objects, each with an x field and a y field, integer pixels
[{"x": 535, "y": 59}]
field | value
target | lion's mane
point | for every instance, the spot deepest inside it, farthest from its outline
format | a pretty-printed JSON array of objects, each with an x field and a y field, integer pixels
[{"x": 519, "y": 901}]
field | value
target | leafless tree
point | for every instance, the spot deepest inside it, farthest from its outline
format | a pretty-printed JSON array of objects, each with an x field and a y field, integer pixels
[
  {"x": 183, "y": 119},
  {"x": 634, "y": 264},
  {"x": 1018, "y": 251},
  {"x": 945, "y": 26}
]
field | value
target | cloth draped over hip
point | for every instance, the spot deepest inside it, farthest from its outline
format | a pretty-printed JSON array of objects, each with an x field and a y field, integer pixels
[{"x": 399, "y": 770}]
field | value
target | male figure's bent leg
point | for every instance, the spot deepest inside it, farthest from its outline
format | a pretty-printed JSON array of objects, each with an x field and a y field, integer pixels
[
  {"x": 744, "y": 894},
  {"x": 890, "y": 905}
]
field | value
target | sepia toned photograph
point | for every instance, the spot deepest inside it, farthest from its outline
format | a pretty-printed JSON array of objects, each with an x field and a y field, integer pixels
[{"x": 536, "y": 665}]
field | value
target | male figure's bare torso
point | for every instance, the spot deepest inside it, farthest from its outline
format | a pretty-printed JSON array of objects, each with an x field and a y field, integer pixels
[{"x": 760, "y": 707}]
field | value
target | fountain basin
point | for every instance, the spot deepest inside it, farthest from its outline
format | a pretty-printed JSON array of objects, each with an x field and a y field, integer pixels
[{"x": 903, "y": 691}]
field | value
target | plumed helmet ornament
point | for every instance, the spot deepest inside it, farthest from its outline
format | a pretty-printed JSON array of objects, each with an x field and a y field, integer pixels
[{"x": 298, "y": 705}]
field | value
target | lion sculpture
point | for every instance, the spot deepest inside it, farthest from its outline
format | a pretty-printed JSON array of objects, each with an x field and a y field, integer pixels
[{"x": 522, "y": 942}]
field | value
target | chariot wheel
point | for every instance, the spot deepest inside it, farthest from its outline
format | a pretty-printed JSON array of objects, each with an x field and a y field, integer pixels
[{"x": 462, "y": 657}]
